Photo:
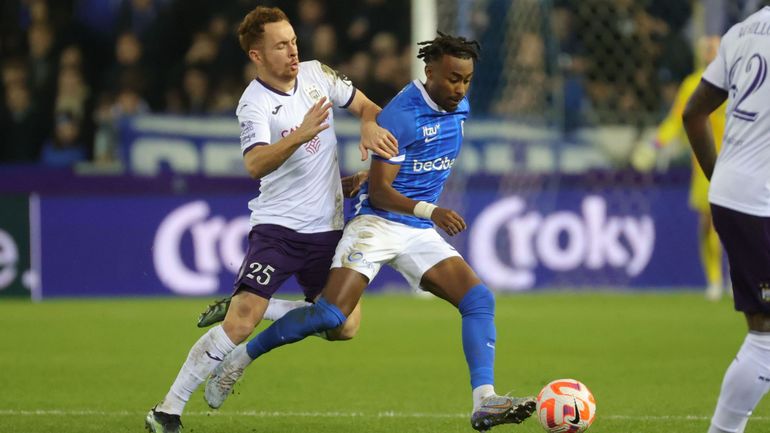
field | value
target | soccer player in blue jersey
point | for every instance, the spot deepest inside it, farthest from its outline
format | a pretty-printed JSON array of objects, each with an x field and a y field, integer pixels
[{"x": 394, "y": 225}]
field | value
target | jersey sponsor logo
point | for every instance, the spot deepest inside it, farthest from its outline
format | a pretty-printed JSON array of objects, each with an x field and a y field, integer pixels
[
  {"x": 277, "y": 108},
  {"x": 430, "y": 132},
  {"x": 561, "y": 241},
  {"x": 357, "y": 258},
  {"x": 438, "y": 164},
  {"x": 313, "y": 145},
  {"x": 310, "y": 147}
]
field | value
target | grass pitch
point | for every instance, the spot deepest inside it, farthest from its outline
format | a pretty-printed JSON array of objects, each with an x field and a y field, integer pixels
[{"x": 653, "y": 361}]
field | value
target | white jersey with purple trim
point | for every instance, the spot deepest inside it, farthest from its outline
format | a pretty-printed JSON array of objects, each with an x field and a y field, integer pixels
[
  {"x": 304, "y": 193},
  {"x": 741, "y": 179}
]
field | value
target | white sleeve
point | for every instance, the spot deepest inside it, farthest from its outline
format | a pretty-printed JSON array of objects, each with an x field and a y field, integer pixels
[
  {"x": 254, "y": 125},
  {"x": 339, "y": 87},
  {"x": 716, "y": 72}
]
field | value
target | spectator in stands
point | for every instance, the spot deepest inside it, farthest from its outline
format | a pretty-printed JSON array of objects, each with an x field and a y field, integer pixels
[
  {"x": 66, "y": 147},
  {"x": 110, "y": 111},
  {"x": 137, "y": 16},
  {"x": 196, "y": 96},
  {"x": 310, "y": 14},
  {"x": 22, "y": 126},
  {"x": 129, "y": 61},
  {"x": 324, "y": 46},
  {"x": 42, "y": 60}
]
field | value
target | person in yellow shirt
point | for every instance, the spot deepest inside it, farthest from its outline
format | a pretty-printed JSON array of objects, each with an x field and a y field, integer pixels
[{"x": 672, "y": 130}]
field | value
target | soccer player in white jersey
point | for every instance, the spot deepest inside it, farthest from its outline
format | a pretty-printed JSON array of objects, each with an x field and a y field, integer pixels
[
  {"x": 288, "y": 142},
  {"x": 395, "y": 226},
  {"x": 740, "y": 200}
]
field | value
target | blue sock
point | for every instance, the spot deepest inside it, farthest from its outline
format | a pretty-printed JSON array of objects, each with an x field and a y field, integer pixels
[
  {"x": 296, "y": 325},
  {"x": 478, "y": 310}
]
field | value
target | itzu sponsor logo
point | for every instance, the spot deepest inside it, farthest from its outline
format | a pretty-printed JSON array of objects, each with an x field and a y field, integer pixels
[
  {"x": 437, "y": 164},
  {"x": 429, "y": 132},
  {"x": 561, "y": 241}
]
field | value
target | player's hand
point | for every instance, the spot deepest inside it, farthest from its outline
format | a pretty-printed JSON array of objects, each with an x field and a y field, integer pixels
[
  {"x": 352, "y": 184},
  {"x": 448, "y": 220},
  {"x": 377, "y": 139},
  {"x": 314, "y": 121}
]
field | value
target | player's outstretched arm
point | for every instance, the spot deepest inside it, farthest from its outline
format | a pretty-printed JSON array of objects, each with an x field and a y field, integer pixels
[
  {"x": 702, "y": 103},
  {"x": 382, "y": 195},
  {"x": 373, "y": 137},
  {"x": 263, "y": 160}
]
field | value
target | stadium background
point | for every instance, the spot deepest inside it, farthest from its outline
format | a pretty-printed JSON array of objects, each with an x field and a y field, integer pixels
[
  {"x": 120, "y": 114},
  {"x": 120, "y": 177}
]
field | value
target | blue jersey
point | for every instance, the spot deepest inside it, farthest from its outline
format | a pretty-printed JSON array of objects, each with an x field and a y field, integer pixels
[{"x": 429, "y": 140}]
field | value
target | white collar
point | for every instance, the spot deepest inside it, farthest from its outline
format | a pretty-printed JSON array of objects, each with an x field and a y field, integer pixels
[{"x": 426, "y": 97}]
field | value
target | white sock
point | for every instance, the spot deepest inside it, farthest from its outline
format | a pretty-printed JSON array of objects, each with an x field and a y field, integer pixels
[
  {"x": 204, "y": 356},
  {"x": 480, "y": 393},
  {"x": 277, "y": 308},
  {"x": 746, "y": 381}
]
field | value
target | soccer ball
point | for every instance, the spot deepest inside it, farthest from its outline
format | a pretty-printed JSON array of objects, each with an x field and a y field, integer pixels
[{"x": 566, "y": 406}]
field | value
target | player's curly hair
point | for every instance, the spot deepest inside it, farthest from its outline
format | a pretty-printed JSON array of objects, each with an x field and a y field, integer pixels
[
  {"x": 252, "y": 27},
  {"x": 455, "y": 46}
]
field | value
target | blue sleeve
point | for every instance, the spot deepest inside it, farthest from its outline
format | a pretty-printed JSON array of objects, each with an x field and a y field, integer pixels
[{"x": 400, "y": 121}]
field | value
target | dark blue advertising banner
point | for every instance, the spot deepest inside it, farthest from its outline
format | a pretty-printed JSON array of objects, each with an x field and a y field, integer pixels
[{"x": 577, "y": 236}]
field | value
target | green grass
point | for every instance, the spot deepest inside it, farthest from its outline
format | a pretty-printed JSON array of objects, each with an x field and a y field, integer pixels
[{"x": 654, "y": 363}]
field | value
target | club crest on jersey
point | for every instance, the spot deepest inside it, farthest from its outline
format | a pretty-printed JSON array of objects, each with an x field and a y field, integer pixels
[
  {"x": 313, "y": 92},
  {"x": 764, "y": 287}
]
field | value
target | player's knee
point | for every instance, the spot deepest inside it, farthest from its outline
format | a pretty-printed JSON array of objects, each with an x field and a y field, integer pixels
[
  {"x": 238, "y": 329},
  {"x": 329, "y": 316},
  {"x": 478, "y": 300},
  {"x": 347, "y": 331}
]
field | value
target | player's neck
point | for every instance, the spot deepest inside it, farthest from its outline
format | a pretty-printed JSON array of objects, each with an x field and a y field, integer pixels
[{"x": 285, "y": 86}]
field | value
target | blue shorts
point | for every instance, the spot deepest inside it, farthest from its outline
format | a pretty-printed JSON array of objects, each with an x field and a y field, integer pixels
[
  {"x": 275, "y": 253},
  {"x": 746, "y": 239}
]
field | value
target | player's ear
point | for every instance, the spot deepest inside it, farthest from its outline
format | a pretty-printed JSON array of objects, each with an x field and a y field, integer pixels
[
  {"x": 255, "y": 55},
  {"x": 428, "y": 71}
]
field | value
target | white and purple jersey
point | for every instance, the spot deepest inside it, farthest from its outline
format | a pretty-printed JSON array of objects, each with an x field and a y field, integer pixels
[
  {"x": 304, "y": 193},
  {"x": 429, "y": 140},
  {"x": 741, "y": 179}
]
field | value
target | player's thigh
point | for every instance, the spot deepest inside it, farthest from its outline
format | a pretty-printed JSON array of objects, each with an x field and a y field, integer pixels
[
  {"x": 367, "y": 243},
  {"x": 746, "y": 239},
  {"x": 450, "y": 279},
  {"x": 344, "y": 289},
  {"x": 271, "y": 258},
  {"x": 314, "y": 272},
  {"x": 428, "y": 262}
]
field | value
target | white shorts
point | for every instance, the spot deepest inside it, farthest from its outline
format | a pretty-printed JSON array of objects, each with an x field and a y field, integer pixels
[{"x": 369, "y": 242}]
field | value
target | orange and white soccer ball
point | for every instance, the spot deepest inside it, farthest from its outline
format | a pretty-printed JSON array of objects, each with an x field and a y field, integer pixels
[{"x": 566, "y": 406}]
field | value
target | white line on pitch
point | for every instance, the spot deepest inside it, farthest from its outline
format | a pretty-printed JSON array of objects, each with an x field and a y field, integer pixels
[{"x": 285, "y": 414}]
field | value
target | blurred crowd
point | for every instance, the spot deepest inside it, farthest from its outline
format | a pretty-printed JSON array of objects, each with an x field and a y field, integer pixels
[{"x": 72, "y": 69}]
